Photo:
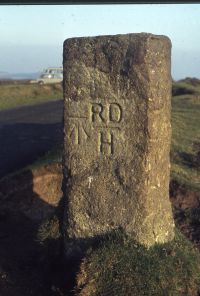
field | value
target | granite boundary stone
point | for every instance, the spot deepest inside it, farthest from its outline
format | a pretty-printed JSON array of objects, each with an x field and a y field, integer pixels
[{"x": 117, "y": 104}]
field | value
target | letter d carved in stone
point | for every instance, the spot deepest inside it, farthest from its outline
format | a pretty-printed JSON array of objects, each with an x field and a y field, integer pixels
[{"x": 115, "y": 112}]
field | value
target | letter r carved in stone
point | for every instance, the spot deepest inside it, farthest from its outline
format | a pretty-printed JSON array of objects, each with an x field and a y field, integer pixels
[{"x": 96, "y": 112}]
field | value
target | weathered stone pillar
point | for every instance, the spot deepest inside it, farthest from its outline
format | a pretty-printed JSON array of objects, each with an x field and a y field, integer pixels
[{"x": 117, "y": 93}]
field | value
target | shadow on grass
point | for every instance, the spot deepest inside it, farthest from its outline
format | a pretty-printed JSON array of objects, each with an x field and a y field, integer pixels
[
  {"x": 23, "y": 143},
  {"x": 187, "y": 159},
  {"x": 29, "y": 263}
]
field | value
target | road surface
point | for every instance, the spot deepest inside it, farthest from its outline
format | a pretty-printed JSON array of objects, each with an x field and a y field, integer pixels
[{"x": 27, "y": 133}]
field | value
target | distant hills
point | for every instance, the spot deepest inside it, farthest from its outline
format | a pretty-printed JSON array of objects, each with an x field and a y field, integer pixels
[{"x": 19, "y": 76}]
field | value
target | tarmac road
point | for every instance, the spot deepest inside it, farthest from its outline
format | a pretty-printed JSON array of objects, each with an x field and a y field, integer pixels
[{"x": 27, "y": 133}]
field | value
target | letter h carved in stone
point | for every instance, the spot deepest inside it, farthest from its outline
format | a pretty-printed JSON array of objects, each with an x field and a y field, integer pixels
[{"x": 105, "y": 116}]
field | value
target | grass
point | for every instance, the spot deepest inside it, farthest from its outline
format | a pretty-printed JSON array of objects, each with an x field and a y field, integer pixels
[
  {"x": 185, "y": 87},
  {"x": 49, "y": 230},
  {"x": 15, "y": 95},
  {"x": 185, "y": 144},
  {"x": 121, "y": 267},
  {"x": 52, "y": 156}
]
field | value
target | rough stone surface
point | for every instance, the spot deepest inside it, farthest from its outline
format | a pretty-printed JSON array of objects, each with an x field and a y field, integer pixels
[{"x": 117, "y": 96}]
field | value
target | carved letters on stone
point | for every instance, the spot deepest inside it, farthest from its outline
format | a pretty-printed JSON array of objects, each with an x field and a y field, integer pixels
[{"x": 105, "y": 118}]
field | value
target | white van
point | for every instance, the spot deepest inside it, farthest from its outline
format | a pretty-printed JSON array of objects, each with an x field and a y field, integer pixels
[{"x": 50, "y": 75}]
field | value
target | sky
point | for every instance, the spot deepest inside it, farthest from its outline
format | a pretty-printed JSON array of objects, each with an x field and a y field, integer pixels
[{"x": 32, "y": 36}]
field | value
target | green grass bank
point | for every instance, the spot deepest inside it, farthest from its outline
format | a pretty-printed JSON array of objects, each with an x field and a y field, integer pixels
[
  {"x": 121, "y": 267},
  {"x": 16, "y": 94},
  {"x": 185, "y": 145}
]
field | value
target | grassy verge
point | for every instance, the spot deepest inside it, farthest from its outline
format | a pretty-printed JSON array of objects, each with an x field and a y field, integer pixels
[
  {"x": 186, "y": 86},
  {"x": 120, "y": 266},
  {"x": 185, "y": 146},
  {"x": 15, "y": 95}
]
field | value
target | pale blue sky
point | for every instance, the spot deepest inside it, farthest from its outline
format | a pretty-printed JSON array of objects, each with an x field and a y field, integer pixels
[{"x": 32, "y": 36}]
